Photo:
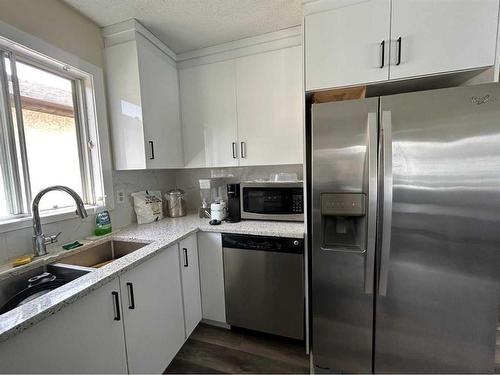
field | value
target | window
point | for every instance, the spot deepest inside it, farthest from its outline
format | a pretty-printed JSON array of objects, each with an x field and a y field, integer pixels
[{"x": 47, "y": 134}]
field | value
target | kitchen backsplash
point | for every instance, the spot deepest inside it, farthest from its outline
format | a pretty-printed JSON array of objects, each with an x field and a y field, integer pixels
[
  {"x": 187, "y": 179},
  {"x": 18, "y": 242}
]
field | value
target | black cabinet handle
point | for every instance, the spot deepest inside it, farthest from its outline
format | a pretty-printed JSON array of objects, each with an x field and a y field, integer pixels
[
  {"x": 235, "y": 151},
  {"x": 382, "y": 45},
  {"x": 243, "y": 147},
  {"x": 399, "y": 51},
  {"x": 116, "y": 299},
  {"x": 131, "y": 300},
  {"x": 152, "y": 149},
  {"x": 186, "y": 264}
]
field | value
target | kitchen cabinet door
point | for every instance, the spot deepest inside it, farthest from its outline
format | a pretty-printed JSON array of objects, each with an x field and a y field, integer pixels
[
  {"x": 190, "y": 272},
  {"x": 347, "y": 44},
  {"x": 83, "y": 337},
  {"x": 209, "y": 121},
  {"x": 152, "y": 311},
  {"x": 125, "y": 106},
  {"x": 442, "y": 36},
  {"x": 269, "y": 101},
  {"x": 160, "y": 106},
  {"x": 213, "y": 301}
]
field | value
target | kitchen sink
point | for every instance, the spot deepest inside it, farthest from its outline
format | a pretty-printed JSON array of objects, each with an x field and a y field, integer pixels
[
  {"x": 102, "y": 254},
  {"x": 14, "y": 290},
  {"x": 28, "y": 285}
]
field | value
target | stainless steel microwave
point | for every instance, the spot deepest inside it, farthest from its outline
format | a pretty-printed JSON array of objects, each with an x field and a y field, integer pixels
[{"x": 272, "y": 201}]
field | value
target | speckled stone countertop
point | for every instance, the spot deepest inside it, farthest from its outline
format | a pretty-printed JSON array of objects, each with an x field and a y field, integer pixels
[{"x": 156, "y": 236}]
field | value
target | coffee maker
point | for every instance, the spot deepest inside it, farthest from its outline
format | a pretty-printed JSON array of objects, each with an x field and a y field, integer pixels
[{"x": 233, "y": 203}]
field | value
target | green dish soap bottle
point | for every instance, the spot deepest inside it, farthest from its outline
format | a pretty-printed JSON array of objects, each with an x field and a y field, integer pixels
[{"x": 102, "y": 223}]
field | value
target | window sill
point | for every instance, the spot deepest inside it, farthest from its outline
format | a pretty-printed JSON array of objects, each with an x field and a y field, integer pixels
[{"x": 45, "y": 218}]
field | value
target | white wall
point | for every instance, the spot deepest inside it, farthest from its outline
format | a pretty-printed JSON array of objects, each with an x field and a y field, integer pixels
[{"x": 58, "y": 24}]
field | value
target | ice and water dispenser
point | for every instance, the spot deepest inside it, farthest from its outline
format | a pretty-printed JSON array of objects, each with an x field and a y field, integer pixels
[{"x": 343, "y": 217}]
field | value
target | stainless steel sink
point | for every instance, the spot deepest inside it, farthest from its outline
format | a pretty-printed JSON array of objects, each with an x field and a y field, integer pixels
[
  {"x": 52, "y": 276},
  {"x": 99, "y": 255},
  {"x": 12, "y": 286}
]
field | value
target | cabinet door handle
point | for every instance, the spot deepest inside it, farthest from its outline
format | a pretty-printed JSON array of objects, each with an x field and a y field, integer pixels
[
  {"x": 186, "y": 263},
  {"x": 131, "y": 299},
  {"x": 235, "y": 151},
  {"x": 382, "y": 46},
  {"x": 152, "y": 150},
  {"x": 243, "y": 148},
  {"x": 116, "y": 300},
  {"x": 398, "y": 61}
]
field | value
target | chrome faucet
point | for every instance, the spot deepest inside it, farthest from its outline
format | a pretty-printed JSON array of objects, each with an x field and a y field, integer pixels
[{"x": 39, "y": 240}]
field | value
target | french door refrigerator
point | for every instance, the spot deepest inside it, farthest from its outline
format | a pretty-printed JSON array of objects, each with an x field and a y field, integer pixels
[{"x": 406, "y": 232}]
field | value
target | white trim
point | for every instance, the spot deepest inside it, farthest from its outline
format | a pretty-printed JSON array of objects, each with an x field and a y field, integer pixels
[
  {"x": 241, "y": 43},
  {"x": 318, "y": 6},
  {"x": 125, "y": 31},
  {"x": 52, "y": 216},
  {"x": 290, "y": 37},
  {"x": 41, "y": 47}
]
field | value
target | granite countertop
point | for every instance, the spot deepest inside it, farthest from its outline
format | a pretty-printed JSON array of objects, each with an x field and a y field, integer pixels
[{"x": 156, "y": 236}]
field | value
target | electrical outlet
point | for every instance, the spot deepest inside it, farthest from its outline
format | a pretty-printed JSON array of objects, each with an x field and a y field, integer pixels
[{"x": 120, "y": 196}]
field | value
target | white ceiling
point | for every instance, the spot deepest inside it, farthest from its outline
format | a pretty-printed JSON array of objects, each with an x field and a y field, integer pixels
[{"x": 185, "y": 25}]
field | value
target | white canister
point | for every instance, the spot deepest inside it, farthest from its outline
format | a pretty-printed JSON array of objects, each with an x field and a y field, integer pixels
[{"x": 217, "y": 211}]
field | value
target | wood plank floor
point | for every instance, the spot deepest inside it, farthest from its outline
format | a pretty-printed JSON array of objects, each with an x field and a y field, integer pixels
[{"x": 211, "y": 350}]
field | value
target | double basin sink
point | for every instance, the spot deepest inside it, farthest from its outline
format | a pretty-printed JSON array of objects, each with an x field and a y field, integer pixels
[{"x": 34, "y": 282}]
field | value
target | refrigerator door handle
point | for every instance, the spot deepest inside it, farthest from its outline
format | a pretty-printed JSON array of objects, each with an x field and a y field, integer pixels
[
  {"x": 371, "y": 234},
  {"x": 386, "y": 134}
]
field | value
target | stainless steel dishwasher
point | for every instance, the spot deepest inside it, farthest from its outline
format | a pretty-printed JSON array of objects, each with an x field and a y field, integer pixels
[{"x": 264, "y": 283}]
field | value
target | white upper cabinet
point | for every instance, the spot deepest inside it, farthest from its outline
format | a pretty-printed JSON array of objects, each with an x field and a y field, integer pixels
[
  {"x": 244, "y": 111},
  {"x": 143, "y": 102},
  {"x": 269, "y": 102},
  {"x": 160, "y": 106},
  {"x": 441, "y": 36},
  {"x": 345, "y": 39},
  {"x": 209, "y": 121},
  {"x": 348, "y": 44}
]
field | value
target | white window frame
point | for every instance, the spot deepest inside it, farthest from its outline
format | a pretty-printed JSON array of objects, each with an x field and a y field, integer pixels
[{"x": 46, "y": 56}]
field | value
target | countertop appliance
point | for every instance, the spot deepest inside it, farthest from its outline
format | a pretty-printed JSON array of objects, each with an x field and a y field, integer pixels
[
  {"x": 266, "y": 200},
  {"x": 176, "y": 203},
  {"x": 233, "y": 203},
  {"x": 405, "y": 232},
  {"x": 264, "y": 283}
]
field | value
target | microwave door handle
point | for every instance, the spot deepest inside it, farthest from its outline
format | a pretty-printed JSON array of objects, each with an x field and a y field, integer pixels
[{"x": 387, "y": 182}]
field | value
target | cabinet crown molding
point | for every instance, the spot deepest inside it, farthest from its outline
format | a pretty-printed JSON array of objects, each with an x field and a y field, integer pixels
[{"x": 125, "y": 31}]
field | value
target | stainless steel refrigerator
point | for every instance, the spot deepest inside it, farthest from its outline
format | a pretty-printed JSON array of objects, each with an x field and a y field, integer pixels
[{"x": 406, "y": 232}]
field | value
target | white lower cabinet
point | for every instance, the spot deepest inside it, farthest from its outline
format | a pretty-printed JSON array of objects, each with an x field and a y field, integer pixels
[
  {"x": 84, "y": 337},
  {"x": 190, "y": 272},
  {"x": 212, "y": 277},
  {"x": 152, "y": 312}
]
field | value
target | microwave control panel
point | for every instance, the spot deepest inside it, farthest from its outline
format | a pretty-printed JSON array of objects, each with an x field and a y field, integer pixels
[
  {"x": 297, "y": 203},
  {"x": 343, "y": 204}
]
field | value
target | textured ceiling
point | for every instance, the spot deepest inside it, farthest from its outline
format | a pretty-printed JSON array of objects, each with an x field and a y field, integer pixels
[{"x": 185, "y": 25}]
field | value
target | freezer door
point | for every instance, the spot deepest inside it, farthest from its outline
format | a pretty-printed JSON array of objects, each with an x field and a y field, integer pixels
[
  {"x": 437, "y": 305},
  {"x": 344, "y": 181}
]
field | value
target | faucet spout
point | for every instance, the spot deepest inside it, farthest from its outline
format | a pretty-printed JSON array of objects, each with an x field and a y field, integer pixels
[{"x": 39, "y": 240}]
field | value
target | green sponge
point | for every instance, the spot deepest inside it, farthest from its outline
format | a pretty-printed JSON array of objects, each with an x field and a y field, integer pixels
[{"x": 72, "y": 245}]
